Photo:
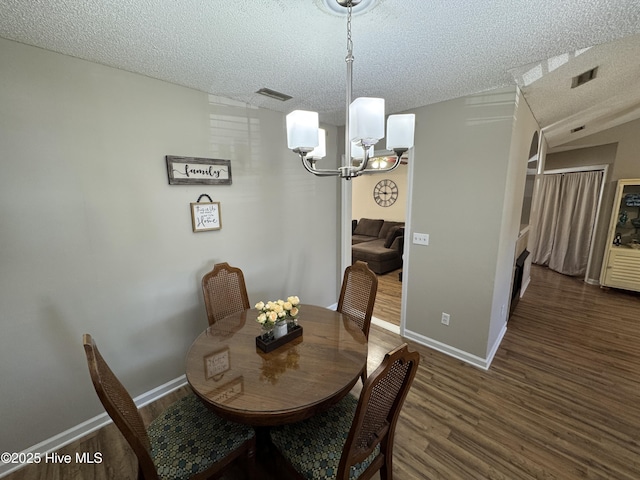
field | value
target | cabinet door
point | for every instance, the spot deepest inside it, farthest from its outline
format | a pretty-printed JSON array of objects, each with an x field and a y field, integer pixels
[
  {"x": 623, "y": 269},
  {"x": 626, "y": 222}
]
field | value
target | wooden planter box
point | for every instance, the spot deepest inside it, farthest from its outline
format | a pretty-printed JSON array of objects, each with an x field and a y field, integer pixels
[{"x": 294, "y": 331}]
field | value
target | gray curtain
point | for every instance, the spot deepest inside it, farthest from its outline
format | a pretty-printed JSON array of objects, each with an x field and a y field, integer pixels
[
  {"x": 564, "y": 219},
  {"x": 546, "y": 205}
]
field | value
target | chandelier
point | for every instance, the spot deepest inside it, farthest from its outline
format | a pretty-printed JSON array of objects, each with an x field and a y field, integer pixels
[{"x": 364, "y": 127}]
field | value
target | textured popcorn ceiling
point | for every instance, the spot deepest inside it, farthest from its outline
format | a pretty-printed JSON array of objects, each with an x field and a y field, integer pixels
[{"x": 411, "y": 52}]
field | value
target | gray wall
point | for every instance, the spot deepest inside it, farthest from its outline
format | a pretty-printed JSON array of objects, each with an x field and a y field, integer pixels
[
  {"x": 468, "y": 182},
  {"x": 93, "y": 239},
  {"x": 581, "y": 157},
  {"x": 627, "y": 163}
]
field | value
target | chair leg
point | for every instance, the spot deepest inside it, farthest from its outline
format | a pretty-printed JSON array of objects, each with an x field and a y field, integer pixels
[
  {"x": 363, "y": 374},
  {"x": 251, "y": 468},
  {"x": 386, "y": 472}
]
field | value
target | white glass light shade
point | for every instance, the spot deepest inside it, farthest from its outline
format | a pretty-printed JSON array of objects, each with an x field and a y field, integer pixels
[
  {"x": 400, "y": 131},
  {"x": 366, "y": 123},
  {"x": 357, "y": 151},
  {"x": 302, "y": 130},
  {"x": 321, "y": 150}
]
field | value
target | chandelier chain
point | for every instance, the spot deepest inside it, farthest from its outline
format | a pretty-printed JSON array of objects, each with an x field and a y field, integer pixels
[
  {"x": 349, "y": 41},
  {"x": 308, "y": 141}
]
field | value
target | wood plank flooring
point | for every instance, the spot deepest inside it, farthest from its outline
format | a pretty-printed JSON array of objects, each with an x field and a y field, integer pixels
[
  {"x": 389, "y": 298},
  {"x": 560, "y": 401}
]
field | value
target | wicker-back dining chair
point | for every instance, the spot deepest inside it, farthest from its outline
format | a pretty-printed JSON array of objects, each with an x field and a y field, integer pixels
[
  {"x": 224, "y": 292},
  {"x": 186, "y": 441},
  {"x": 358, "y": 296},
  {"x": 353, "y": 439}
]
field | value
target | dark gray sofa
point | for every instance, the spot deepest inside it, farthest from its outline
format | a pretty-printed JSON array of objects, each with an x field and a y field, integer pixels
[{"x": 379, "y": 243}]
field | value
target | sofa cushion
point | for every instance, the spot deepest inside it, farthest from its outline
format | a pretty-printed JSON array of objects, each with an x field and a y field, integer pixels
[
  {"x": 396, "y": 231},
  {"x": 369, "y": 227},
  {"x": 361, "y": 238},
  {"x": 373, "y": 251},
  {"x": 386, "y": 228}
]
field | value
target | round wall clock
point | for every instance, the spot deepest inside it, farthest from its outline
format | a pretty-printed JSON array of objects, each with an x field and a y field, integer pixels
[{"x": 385, "y": 193}]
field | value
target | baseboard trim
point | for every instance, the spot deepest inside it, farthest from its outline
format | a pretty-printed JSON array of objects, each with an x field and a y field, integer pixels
[
  {"x": 474, "y": 360},
  {"x": 496, "y": 345},
  {"x": 159, "y": 392},
  {"x": 386, "y": 325},
  {"x": 376, "y": 321},
  {"x": 85, "y": 428}
]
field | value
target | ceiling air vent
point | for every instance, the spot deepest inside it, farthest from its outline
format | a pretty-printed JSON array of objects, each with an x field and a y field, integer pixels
[
  {"x": 584, "y": 77},
  {"x": 577, "y": 129},
  {"x": 267, "y": 92}
]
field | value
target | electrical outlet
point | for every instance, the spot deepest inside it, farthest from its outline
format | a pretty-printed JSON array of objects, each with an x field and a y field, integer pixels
[
  {"x": 502, "y": 310},
  {"x": 421, "y": 238},
  {"x": 445, "y": 318}
]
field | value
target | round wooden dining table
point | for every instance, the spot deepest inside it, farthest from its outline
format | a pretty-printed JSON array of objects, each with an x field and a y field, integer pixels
[{"x": 240, "y": 382}]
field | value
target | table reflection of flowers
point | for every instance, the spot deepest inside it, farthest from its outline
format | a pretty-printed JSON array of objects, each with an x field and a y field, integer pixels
[
  {"x": 273, "y": 312},
  {"x": 275, "y": 366}
]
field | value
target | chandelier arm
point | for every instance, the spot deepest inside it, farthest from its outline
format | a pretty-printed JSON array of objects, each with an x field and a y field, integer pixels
[
  {"x": 307, "y": 124},
  {"x": 318, "y": 172},
  {"x": 349, "y": 172},
  {"x": 395, "y": 165},
  {"x": 355, "y": 170},
  {"x": 365, "y": 160}
]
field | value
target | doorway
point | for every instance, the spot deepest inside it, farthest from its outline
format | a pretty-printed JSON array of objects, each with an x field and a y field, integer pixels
[
  {"x": 364, "y": 203},
  {"x": 567, "y": 207}
]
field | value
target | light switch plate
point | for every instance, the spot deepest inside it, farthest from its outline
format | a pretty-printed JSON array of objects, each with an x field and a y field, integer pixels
[{"x": 421, "y": 238}]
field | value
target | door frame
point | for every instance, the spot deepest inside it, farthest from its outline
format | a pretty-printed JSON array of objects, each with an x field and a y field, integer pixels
[
  {"x": 588, "y": 168},
  {"x": 345, "y": 237}
]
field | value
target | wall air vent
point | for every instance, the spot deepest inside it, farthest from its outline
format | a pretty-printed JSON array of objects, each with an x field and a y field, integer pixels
[
  {"x": 584, "y": 77},
  {"x": 577, "y": 129},
  {"x": 267, "y": 92}
]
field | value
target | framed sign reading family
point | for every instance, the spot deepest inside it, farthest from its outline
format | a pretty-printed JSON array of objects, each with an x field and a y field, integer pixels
[{"x": 198, "y": 171}]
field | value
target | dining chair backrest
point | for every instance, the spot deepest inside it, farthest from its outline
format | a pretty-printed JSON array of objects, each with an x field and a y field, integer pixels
[
  {"x": 224, "y": 292},
  {"x": 186, "y": 440},
  {"x": 358, "y": 295},
  {"x": 377, "y": 413},
  {"x": 120, "y": 407},
  {"x": 353, "y": 439}
]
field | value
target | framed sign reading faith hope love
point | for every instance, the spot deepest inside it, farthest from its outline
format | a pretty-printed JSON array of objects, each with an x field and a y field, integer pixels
[{"x": 198, "y": 171}]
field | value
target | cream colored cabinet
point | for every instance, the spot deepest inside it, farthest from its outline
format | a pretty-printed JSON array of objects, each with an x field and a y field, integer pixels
[{"x": 621, "y": 264}]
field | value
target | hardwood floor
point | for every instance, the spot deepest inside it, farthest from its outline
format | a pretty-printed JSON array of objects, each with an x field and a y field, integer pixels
[
  {"x": 560, "y": 401},
  {"x": 388, "y": 298}
]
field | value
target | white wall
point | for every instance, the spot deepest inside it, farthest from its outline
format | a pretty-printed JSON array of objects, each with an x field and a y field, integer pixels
[
  {"x": 363, "y": 203},
  {"x": 93, "y": 238},
  {"x": 467, "y": 194}
]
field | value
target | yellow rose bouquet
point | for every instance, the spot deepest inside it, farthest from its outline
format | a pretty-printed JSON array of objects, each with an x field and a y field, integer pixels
[{"x": 272, "y": 312}]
